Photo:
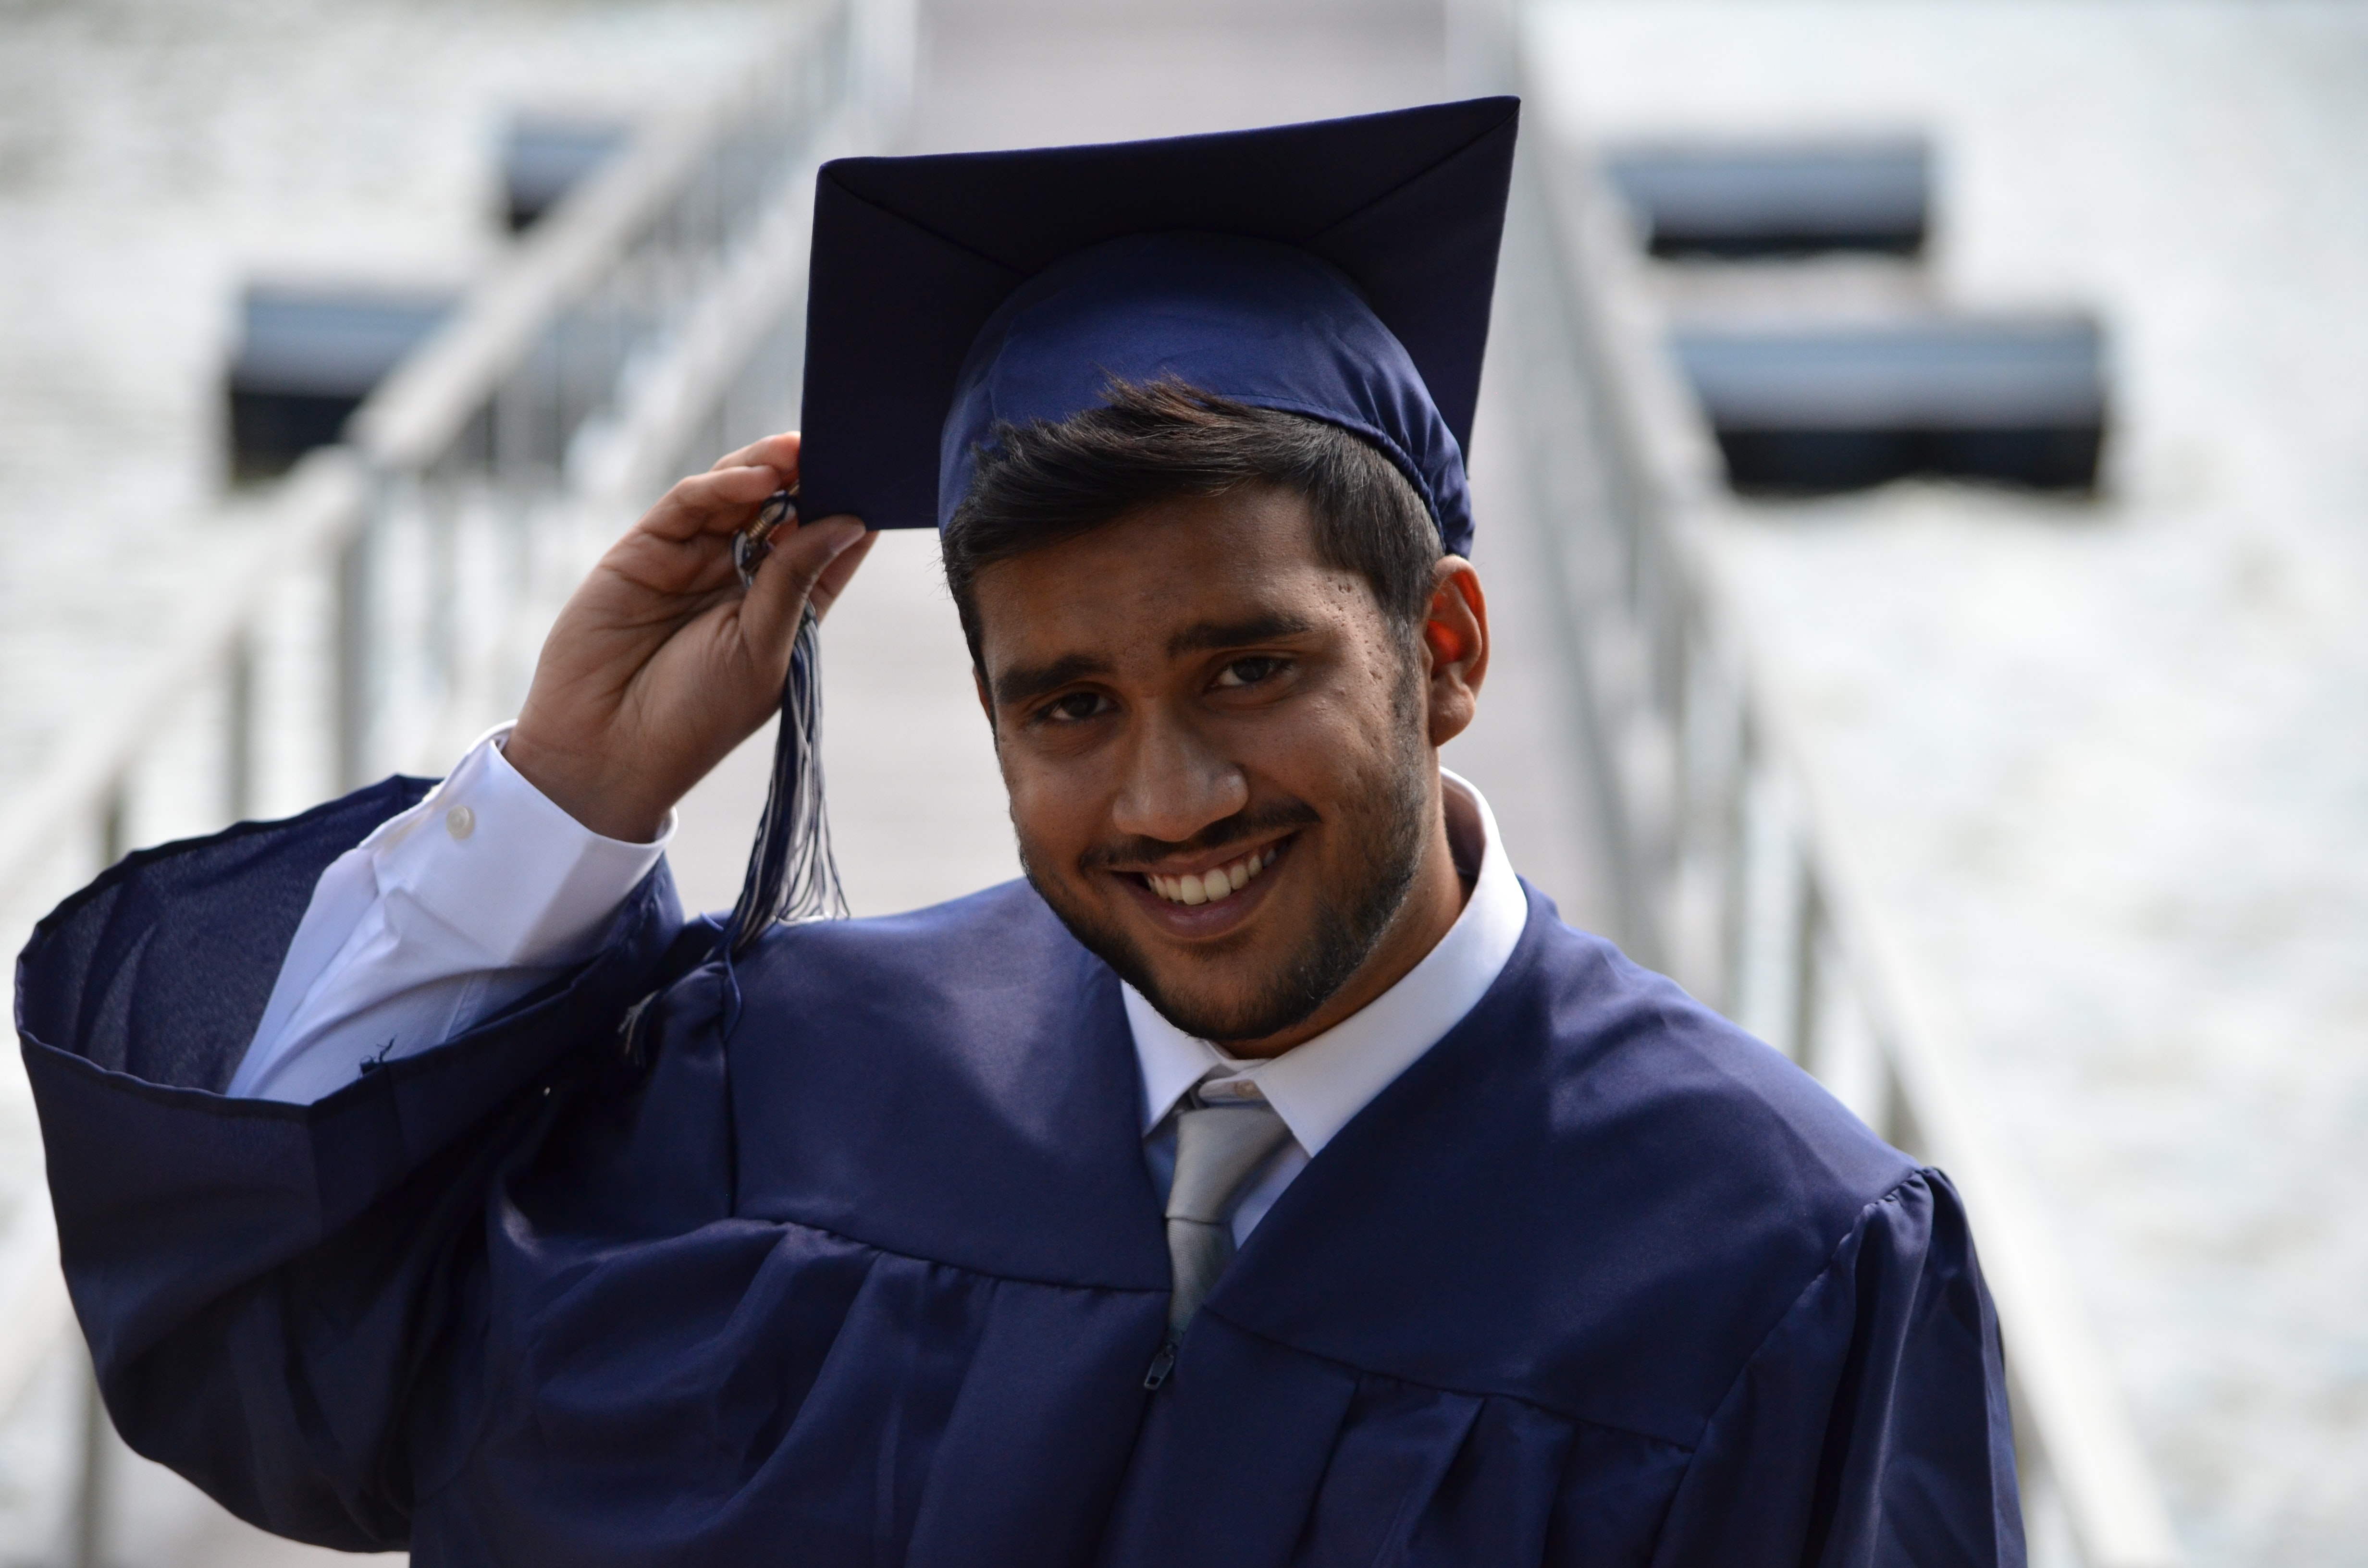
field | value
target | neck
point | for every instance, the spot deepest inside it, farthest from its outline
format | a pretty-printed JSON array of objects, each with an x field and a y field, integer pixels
[{"x": 1430, "y": 912}]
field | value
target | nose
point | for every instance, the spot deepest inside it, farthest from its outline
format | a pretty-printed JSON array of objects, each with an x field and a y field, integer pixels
[{"x": 1176, "y": 784}]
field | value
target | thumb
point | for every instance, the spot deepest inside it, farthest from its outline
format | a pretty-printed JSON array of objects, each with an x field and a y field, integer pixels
[{"x": 786, "y": 579}]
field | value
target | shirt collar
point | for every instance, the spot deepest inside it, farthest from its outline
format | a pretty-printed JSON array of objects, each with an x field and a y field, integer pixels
[{"x": 1316, "y": 1087}]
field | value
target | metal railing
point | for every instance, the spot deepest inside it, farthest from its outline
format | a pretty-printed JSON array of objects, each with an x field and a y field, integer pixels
[
  {"x": 1731, "y": 866},
  {"x": 387, "y": 603}
]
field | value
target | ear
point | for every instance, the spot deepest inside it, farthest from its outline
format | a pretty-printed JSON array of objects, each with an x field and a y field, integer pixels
[{"x": 1455, "y": 647}]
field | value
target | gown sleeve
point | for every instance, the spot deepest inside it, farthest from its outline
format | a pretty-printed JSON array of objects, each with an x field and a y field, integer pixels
[
  {"x": 1871, "y": 1426},
  {"x": 283, "y": 1302},
  {"x": 445, "y": 915}
]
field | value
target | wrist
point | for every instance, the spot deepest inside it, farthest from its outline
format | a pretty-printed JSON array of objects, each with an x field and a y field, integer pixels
[{"x": 586, "y": 792}]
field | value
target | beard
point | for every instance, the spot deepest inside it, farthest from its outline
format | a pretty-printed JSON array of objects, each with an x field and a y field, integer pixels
[{"x": 1383, "y": 818}]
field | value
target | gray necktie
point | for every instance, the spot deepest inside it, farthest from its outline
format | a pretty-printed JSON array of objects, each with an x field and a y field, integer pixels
[{"x": 1218, "y": 1148}]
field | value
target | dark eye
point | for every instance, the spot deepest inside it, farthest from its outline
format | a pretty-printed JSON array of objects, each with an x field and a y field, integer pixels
[
  {"x": 1249, "y": 672},
  {"x": 1076, "y": 706}
]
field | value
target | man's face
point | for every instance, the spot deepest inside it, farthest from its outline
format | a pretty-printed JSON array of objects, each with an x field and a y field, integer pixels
[{"x": 1219, "y": 755}]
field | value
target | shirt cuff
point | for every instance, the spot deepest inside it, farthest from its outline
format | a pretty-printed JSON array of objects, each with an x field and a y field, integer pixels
[{"x": 492, "y": 858}]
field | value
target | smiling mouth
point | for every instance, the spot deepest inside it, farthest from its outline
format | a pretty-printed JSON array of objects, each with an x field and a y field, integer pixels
[{"x": 1212, "y": 886}]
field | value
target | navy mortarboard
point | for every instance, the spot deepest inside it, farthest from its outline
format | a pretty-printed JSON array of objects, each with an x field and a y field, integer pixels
[{"x": 1342, "y": 269}]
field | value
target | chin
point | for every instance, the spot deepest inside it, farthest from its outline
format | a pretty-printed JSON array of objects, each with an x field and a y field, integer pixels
[
  {"x": 1238, "y": 989},
  {"x": 1222, "y": 1009}
]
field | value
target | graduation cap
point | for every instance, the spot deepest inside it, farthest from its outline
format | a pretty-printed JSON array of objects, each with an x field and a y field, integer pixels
[{"x": 1341, "y": 269}]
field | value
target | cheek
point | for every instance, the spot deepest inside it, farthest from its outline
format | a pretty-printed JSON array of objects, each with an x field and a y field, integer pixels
[
  {"x": 1056, "y": 808},
  {"x": 1333, "y": 734}
]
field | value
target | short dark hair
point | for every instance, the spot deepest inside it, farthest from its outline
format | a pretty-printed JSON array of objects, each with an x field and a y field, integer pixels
[{"x": 1047, "y": 482}]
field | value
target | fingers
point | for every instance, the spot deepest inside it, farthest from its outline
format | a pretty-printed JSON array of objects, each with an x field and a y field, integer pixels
[
  {"x": 681, "y": 546},
  {"x": 779, "y": 452},
  {"x": 793, "y": 573},
  {"x": 725, "y": 499},
  {"x": 719, "y": 501}
]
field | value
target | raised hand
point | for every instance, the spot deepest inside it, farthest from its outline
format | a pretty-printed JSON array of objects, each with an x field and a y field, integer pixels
[{"x": 660, "y": 664}]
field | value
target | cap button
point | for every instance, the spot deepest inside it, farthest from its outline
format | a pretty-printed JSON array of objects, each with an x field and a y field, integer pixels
[{"x": 459, "y": 821}]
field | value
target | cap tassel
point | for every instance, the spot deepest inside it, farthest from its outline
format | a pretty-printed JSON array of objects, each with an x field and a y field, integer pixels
[{"x": 792, "y": 874}]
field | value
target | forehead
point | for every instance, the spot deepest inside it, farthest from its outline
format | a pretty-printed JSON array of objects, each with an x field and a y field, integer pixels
[{"x": 1127, "y": 587}]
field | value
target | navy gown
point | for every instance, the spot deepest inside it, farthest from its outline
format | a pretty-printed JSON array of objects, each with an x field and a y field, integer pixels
[{"x": 850, "y": 1256}]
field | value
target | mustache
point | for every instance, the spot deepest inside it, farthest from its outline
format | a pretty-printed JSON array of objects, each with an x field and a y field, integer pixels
[{"x": 1252, "y": 822}]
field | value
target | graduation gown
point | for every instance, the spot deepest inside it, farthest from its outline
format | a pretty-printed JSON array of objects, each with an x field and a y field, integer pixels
[{"x": 848, "y": 1255}]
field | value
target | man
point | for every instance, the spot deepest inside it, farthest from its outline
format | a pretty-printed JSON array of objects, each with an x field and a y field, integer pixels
[{"x": 1269, "y": 1178}]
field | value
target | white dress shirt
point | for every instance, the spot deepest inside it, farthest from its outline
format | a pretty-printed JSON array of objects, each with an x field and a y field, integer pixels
[
  {"x": 456, "y": 908},
  {"x": 443, "y": 917}
]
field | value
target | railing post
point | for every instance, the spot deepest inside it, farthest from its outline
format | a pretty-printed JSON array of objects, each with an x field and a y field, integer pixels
[
  {"x": 517, "y": 407},
  {"x": 1735, "y": 894},
  {"x": 441, "y": 528},
  {"x": 114, "y": 823},
  {"x": 238, "y": 729},
  {"x": 1899, "y": 1127},
  {"x": 1806, "y": 978},
  {"x": 355, "y": 636},
  {"x": 1678, "y": 703},
  {"x": 89, "y": 1523},
  {"x": 511, "y": 410}
]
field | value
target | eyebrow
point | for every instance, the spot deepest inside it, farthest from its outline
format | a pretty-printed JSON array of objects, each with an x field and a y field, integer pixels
[
  {"x": 1208, "y": 636},
  {"x": 1026, "y": 683}
]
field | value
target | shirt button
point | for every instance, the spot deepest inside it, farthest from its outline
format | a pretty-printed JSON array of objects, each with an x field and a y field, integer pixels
[{"x": 459, "y": 821}]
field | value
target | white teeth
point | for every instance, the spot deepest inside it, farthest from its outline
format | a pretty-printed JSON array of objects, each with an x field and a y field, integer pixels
[{"x": 1207, "y": 886}]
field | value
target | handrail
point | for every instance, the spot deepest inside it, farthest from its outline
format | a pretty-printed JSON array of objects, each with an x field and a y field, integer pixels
[
  {"x": 316, "y": 506},
  {"x": 420, "y": 410},
  {"x": 1694, "y": 738}
]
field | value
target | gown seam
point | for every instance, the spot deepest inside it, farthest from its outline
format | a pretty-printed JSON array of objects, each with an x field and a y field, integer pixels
[
  {"x": 971, "y": 1269},
  {"x": 1555, "y": 1412},
  {"x": 1833, "y": 1258}
]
